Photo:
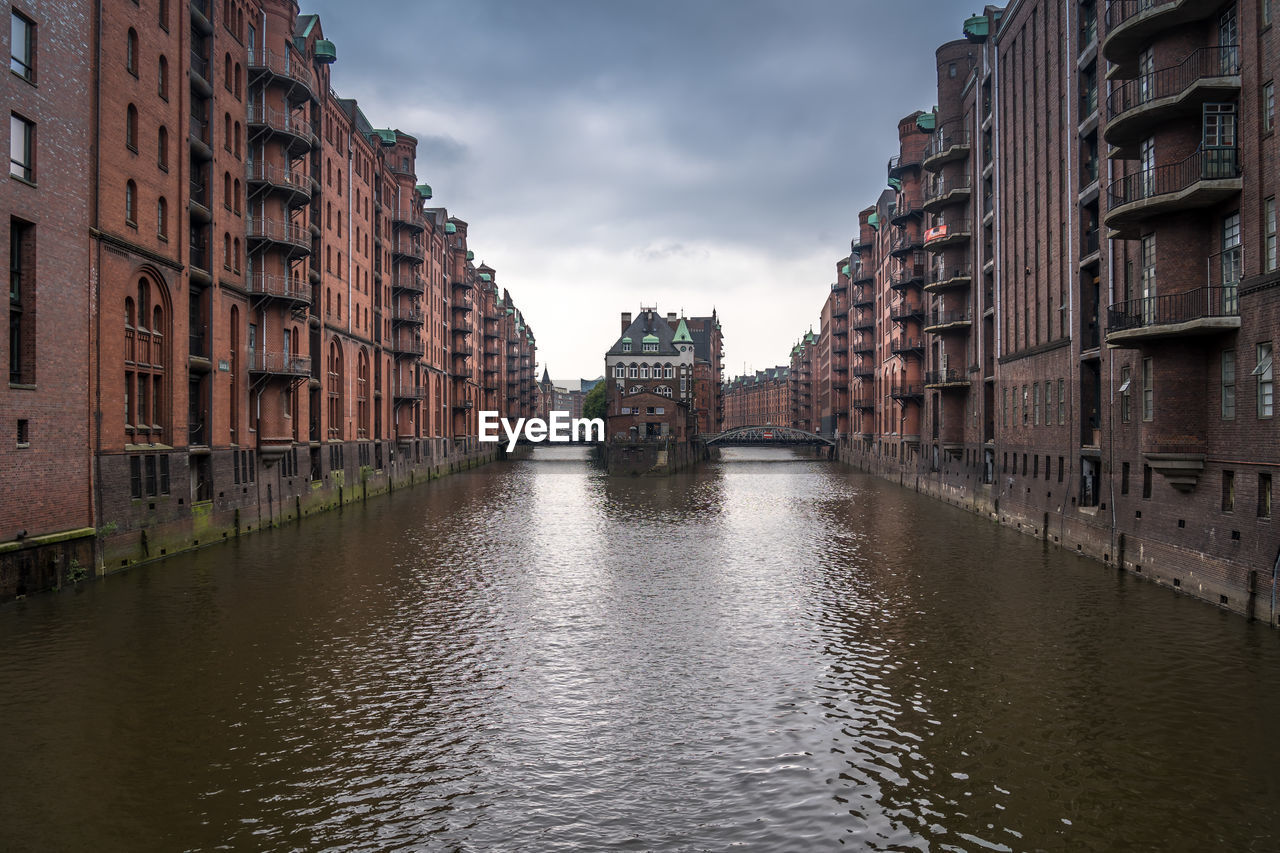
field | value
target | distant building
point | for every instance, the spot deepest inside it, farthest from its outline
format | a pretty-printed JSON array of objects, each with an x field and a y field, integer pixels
[
  {"x": 761, "y": 399},
  {"x": 650, "y": 372}
]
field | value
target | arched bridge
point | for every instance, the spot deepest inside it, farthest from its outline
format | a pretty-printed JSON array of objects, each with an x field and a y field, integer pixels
[{"x": 771, "y": 436}]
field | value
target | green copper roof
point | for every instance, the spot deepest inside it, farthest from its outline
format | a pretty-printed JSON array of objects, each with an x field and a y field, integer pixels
[
  {"x": 626, "y": 339},
  {"x": 388, "y": 137},
  {"x": 978, "y": 26},
  {"x": 325, "y": 51},
  {"x": 484, "y": 276},
  {"x": 927, "y": 122},
  {"x": 650, "y": 339},
  {"x": 896, "y": 184},
  {"x": 682, "y": 335},
  {"x": 844, "y": 270},
  {"x": 424, "y": 190},
  {"x": 450, "y": 228},
  {"x": 874, "y": 221},
  {"x": 471, "y": 256}
]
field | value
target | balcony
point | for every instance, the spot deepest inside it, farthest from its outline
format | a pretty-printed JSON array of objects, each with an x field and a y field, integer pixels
[
  {"x": 405, "y": 248},
  {"x": 407, "y": 316},
  {"x": 906, "y": 310},
  {"x": 463, "y": 351},
  {"x": 463, "y": 283},
  {"x": 294, "y": 130},
  {"x": 279, "y": 364},
  {"x": 906, "y": 390},
  {"x": 943, "y": 191},
  {"x": 1203, "y": 311},
  {"x": 948, "y": 379},
  {"x": 1138, "y": 106},
  {"x": 410, "y": 221},
  {"x": 405, "y": 345},
  {"x": 905, "y": 210},
  {"x": 461, "y": 307},
  {"x": 863, "y": 273},
  {"x": 906, "y": 346},
  {"x": 408, "y": 282},
  {"x": 409, "y": 392},
  {"x": 292, "y": 236},
  {"x": 946, "y": 234},
  {"x": 949, "y": 278},
  {"x": 863, "y": 297},
  {"x": 1132, "y": 25},
  {"x": 863, "y": 346},
  {"x": 279, "y": 287},
  {"x": 905, "y": 243},
  {"x": 294, "y": 185},
  {"x": 899, "y": 165},
  {"x": 948, "y": 321},
  {"x": 283, "y": 69},
  {"x": 863, "y": 400},
  {"x": 948, "y": 143},
  {"x": 910, "y": 274},
  {"x": 1208, "y": 177},
  {"x": 464, "y": 405},
  {"x": 864, "y": 372}
]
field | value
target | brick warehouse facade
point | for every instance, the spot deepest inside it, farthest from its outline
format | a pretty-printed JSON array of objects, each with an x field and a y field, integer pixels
[
  {"x": 275, "y": 321},
  {"x": 1087, "y": 220},
  {"x": 760, "y": 399}
]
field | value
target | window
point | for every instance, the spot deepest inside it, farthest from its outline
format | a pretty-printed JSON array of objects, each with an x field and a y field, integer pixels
[
  {"x": 1266, "y": 13},
  {"x": 131, "y": 128},
  {"x": 1062, "y": 401},
  {"x": 626, "y": 345},
  {"x": 1265, "y": 372},
  {"x": 1148, "y": 389},
  {"x": 22, "y": 46},
  {"x": 164, "y": 15},
  {"x": 1026, "y": 408},
  {"x": 162, "y": 218},
  {"x": 1264, "y": 496},
  {"x": 1148, "y": 292},
  {"x": 1219, "y": 128},
  {"x": 1228, "y": 491},
  {"x": 131, "y": 52},
  {"x": 1268, "y": 107},
  {"x": 22, "y": 136},
  {"x": 162, "y": 84},
  {"x": 619, "y": 371},
  {"x": 1269, "y": 237},
  {"x": 145, "y": 357},
  {"x": 1232, "y": 264},
  {"x": 650, "y": 346},
  {"x": 633, "y": 372},
  {"x": 1124, "y": 478},
  {"x": 1035, "y": 397},
  {"x": 130, "y": 204},
  {"x": 668, "y": 373},
  {"x": 22, "y": 269},
  {"x": 1146, "y": 482},
  {"x": 1228, "y": 384},
  {"x": 644, "y": 371}
]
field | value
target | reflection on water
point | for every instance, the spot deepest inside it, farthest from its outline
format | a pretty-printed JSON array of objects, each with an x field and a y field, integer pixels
[{"x": 772, "y": 652}]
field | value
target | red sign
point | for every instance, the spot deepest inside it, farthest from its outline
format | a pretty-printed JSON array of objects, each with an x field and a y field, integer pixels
[{"x": 935, "y": 232}]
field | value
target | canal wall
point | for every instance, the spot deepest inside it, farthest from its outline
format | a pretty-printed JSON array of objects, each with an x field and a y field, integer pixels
[
  {"x": 652, "y": 458},
  {"x": 1110, "y": 532},
  {"x": 263, "y": 493}
]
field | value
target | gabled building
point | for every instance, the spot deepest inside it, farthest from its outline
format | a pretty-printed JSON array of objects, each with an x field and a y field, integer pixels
[{"x": 650, "y": 371}]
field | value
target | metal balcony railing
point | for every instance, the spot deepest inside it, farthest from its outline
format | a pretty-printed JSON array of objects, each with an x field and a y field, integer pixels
[
  {"x": 941, "y": 186},
  {"x": 279, "y": 176},
  {"x": 949, "y": 376},
  {"x": 292, "y": 233},
  {"x": 944, "y": 139},
  {"x": 1173, "y": 308},
  {"x": 410, "y": 392},
  {"x": 1206, "y": 164},
  {"x": 278, "y": 363},
  {"x": 407, "y": 315},
  {"x": 278, "y": 286},
  {"x": 948, "y": 318},
  {"x": 900, "y": 390},
  {"x": 409, "y": 282},
  {"x": 279, "y": 121},
  {"x": 280, "y": 65},
  {"x": 1205, "y": 62}
]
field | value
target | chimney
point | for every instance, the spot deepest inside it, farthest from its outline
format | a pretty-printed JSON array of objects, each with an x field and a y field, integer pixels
[
  {"x": 671, "y": 318},
  {"x": 626, "y": 321}
]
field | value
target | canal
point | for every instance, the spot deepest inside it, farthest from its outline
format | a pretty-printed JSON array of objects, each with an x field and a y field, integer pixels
[{"x": 771, "y": 653}]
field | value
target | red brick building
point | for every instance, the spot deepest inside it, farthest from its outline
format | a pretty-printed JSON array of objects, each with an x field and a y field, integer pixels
[
  {"x": 276, "y": 321},
  {"x": 651, "y": 374},
  {"x": 761, "y": 399}
]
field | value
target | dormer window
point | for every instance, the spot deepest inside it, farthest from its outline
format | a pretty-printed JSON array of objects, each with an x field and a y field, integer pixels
[
  {"x": 626, "y": 344},
  {"x": 650, "y": 347}
]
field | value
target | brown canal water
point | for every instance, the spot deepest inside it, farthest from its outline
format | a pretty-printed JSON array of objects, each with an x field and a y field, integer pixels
[{"x": 769, "y": 654}]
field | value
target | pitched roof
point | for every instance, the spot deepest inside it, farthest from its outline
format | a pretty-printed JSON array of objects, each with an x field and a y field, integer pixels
[{"x": 647, "y": 326}]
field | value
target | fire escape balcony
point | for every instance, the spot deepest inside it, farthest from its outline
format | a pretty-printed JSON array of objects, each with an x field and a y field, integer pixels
[
  {"x": 939, "y": 322},
  {"x": 293, "y": 184},
  {"x": 1132, "y": 24},
  {"x": 404, "y": 247},
  {"x": 946, "y": 234},
  {"x": 908, "y": 208},
  {"x": 906, "y": 310},
  {"x": 864, "y": 371},
  {"x": 285, "y": 69},
  {"x": 408, "y": 282},
  {"x": 911, "y": 274},
  {"x": 906, "y": 346},
  {"x": 411, "y": 316},
  {"x": 1208, "y": 177},
  {"x": 408, "y": 222},
  {"x": 1203, "y": 311},
  {"x": 295, "y": 132},
  {"x": 863, "y": 345},
  {"x": 409, "y": 392},
  {"x": 279, "y": 364},
  {"x": 864, "y": 274},
  {"x": 291, "y": 236},
  {"x": 460, "y": 308},
  {"x": 463, "y": 283},
  {"x": 1136, "y": 107},
  {"x": 949, "y": 379},
  {"x": 464, "y": 405},
  {"x": 943, "y": 191},
  {"x": 946, "y": 278},
  {"x": 948, "y": 143},
  {"x": 863, "y": 399},
  {"x": 905, "y": 243},
  {"x": 900, "y": 164},
  {"x": 280, "y": 287},
  {"x": 864, "y": 322},
  {"x": 405, "y": 346},
  {"x": 863, "y": 297},
  {"x": 906, "y": 390}
]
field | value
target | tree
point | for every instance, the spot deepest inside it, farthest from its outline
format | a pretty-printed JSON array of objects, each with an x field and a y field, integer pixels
[{"x": 595, "y": 404}]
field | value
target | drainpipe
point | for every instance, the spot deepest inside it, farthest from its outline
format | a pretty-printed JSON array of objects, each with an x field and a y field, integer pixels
[{"x": 95, "y": 263}]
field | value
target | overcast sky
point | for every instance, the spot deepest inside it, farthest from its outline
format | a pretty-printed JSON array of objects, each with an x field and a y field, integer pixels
[{"x": 689, "y": 155}]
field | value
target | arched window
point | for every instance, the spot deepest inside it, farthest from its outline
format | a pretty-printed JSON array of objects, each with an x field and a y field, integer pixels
[
  {"x": 226, "y": 251},
  {"x": 235, "y": 197},
  {"x": 226, "y": 72},
  {"x": 236, "y": 137},
  {"x": 226, "y": 131},
  {"x": 237, "y": 89},
  {"x": 335, "y": 391},
  {"x": 164, "y": 15},
  {"x": 162, "y": 148},
  {"x": 145, "y": 356},
  {"x": 162, "y": 84},
  {"x": 131, "y": 203},
  {"x": 233, "y": 411},
  {"x": 362, "y": 395},
  {"x": 162, "y": 218},
  {"x": 131, "y": 128},
  {"x": 131, "y": 52},
  {"x": 226, "y": 190},
  {"x": 235, "y": 254}
]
